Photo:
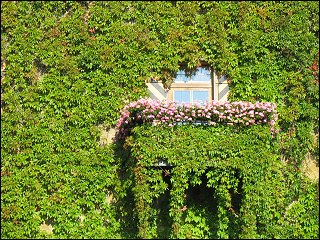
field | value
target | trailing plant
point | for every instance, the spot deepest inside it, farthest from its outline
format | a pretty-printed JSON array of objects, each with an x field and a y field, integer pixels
[
  {"x": 251, "y": 195},
  {"x": 169, "y": 113}
]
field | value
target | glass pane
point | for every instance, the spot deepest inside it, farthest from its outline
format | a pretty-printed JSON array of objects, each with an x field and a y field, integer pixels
[
  {"x": 200, "y": 96},
  {"x": 181, "y": 77},
  {"x": 201, "y": 75},
  {"x": 182, "y": 96}
]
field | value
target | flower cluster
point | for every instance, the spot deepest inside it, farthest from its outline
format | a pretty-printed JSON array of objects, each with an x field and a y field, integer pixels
[{"x": 212, "y": 113}]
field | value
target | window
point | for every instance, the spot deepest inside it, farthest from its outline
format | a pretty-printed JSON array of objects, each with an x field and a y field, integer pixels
[
  {"x": 193, "y": 87},
  {"x": 203, "y": 84}
]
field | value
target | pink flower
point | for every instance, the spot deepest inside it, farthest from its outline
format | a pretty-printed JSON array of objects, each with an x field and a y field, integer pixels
[{"x": 165, "y": 111}]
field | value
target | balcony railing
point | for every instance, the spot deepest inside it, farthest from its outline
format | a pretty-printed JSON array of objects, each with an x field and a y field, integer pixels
[{"x": 155, "y": 112}]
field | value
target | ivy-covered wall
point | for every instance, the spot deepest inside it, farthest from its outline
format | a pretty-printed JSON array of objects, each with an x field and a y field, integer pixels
[
  {"x": 69, "y": 67},
  {"x": 252, "y": 195}
]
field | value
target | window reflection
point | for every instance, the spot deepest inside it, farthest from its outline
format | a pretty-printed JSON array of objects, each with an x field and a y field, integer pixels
[
  {"x": 202, "y": 74},
  {"x": 200, "y": 96},
  {"x": 182, "y": 96},
  {"x": 191, "y": 96}
]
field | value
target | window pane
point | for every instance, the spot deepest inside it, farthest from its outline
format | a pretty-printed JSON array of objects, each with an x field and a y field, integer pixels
[
  {"x": 200, "y": 96},
  {"x": 182, "y": 96},
  {"x": 201, "y": 75},
  {"x": 181, "y": 77}
]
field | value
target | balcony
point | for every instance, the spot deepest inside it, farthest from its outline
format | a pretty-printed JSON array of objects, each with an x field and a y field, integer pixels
[
  {"x": 225, "y": 147},
  {"x": 168, "y": 113}
]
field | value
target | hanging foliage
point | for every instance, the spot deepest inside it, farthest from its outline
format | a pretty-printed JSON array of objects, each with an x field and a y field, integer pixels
[{"x": 251, "y": 195}]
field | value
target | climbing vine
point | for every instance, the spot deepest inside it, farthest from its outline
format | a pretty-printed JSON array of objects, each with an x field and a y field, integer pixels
[
  {"x": 69, "y": 67},
  {"x": 251, "y": 197}
]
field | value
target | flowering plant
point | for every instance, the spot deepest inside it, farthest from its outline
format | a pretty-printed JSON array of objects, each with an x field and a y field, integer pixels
[{"x": 169, "y": 113}]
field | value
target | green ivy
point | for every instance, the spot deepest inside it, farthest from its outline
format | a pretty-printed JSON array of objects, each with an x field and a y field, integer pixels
[
  {"x": 68, "y": 67},
  {"x": 241, "y": 164}
]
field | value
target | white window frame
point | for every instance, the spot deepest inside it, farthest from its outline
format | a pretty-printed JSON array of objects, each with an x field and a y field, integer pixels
[{"x": 217, "y": 87}]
